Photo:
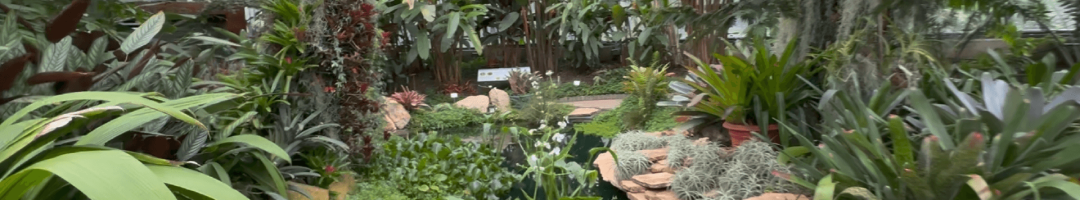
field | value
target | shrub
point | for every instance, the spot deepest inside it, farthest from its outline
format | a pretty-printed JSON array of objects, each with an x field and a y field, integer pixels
[
  {"x": 376, "y": 190},
  {"x": 445, "y": 116},
  {"x": 430, "y": 167}
]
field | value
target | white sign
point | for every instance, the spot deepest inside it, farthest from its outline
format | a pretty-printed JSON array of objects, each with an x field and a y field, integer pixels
[{"x": 498, "y": 74}]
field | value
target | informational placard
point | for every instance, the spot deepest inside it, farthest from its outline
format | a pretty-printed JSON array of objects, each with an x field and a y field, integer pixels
[{"x": 498, "y": 74}]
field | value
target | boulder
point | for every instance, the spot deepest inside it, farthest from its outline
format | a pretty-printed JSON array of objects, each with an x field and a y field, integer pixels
[
  {"x": 500, "y": 99},
  {"x": 605, "y": 164},
  {"x": 395, "y": 115},
  {"x": 654, "y": 181},
  {"x": 478, "y": 103}
]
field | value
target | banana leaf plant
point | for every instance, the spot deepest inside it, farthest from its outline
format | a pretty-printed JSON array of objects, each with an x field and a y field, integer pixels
[
  {"x": 34, "y": 167},
  {"x": 418, "y": 19},
  {"x": 581, "y": 26}
]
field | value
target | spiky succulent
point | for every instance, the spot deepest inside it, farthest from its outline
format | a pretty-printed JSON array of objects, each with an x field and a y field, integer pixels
[
  {"x": 691, "y": 183},
  {"x": 632, "y": 163},
  {"x": 409, "y": 98}
]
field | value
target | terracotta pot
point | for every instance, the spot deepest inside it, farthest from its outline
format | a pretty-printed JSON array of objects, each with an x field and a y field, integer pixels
[{"x": 740, "y": 133}]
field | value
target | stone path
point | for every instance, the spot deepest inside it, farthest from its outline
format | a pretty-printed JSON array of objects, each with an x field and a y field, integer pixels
[{"x": 601, "y": 104}]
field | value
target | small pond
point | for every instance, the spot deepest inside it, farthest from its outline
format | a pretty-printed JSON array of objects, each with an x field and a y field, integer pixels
[{"x": 580, "y": 153}]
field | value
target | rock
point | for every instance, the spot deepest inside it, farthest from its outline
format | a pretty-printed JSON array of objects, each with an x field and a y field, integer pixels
[
  {"x": 478, "y": 102},
  {"x": 395, "y": 115},
  {"x": 655, "y": 154},
  {"x": 638, "y": 196},
  {"x": 500, "y": 99},
  {"x": 661, "y": 166},
  {"x": 779, "y": 196},
  {"x": 663, "y": 195},
  {"x": 606, "y": 166},
  {"x": 584, "y": 112},
  {"x": 654, "y": 181},
  {"x": 631, "y": 187}
]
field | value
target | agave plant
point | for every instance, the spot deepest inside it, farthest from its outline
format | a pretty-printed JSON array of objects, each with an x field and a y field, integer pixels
[{"x": 409, "y": 98}]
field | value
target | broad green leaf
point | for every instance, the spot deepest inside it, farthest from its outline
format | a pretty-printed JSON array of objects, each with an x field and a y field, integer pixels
[
  {"x": 785, "y": 156},
  {"x": 105, "y": 174},
  {"x": 452, "y": 27},
  {"x": 475, "y": 39},
  {"x": 213, "y": 40},
  {"x": 144, "y": 33},
  {"x": 508, "y": 21},
  {"x": 129, "y": 121},
  {"x": 195, "y": 183},
  {"x": 257, "y": 142},
  {"x": 860, "y": 192},
  {"x": 428, "y": 11},
  {"x": 267, "y": 174},
  {"x": 423, "y": 44},
  {"x": 117, "y": 97},
  {"x": 826, "y": 188},
  {"x": 931, "y": 119}
]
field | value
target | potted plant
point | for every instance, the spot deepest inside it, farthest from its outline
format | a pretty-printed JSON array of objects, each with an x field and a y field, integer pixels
[{"x": 741, "y": 93}]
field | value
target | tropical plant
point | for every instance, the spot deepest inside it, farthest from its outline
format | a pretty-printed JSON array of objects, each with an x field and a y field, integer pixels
[
  {"x": 586, "y": 21},
  {"x": 409, "y": 98},
  {"x": 521, "y": 82},
  {"x": 330, "y": 164},
  {"x": 65, "y": 59},
  {"x": 647, "y": 85},
  {"x": 999, "y": 152},
  {"x": 292, "y": 132},
  {"x": 430, "y": 167},
  {"x": 425, "y": 21},
  {"x": 36, "y": 166},
  {"x": 759, "y": 89}
]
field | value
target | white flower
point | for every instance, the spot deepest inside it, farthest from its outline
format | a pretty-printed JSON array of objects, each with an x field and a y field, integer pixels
[
  {"x": 562, "y": 124},
  {"x": 555, "y": 151},
  {"x": 549, "y": 73},
  {"x": 543, "y": 124},
  {"x": 558, "y": 137},
  {"x": 533, "y": 158}
]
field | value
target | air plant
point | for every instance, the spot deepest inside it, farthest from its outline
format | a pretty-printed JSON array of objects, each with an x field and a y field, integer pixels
[
  {"x": 409, "y": 98},
  {"x": 632, "y": 163},
  {"x": 636, "y": 140}
]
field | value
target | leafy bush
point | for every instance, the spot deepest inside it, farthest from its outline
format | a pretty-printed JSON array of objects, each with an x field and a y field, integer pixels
[
  {"x": 430, "y": 167},
  {"x": 376, "y": 190},
  {"x": 445, "y": 116}
]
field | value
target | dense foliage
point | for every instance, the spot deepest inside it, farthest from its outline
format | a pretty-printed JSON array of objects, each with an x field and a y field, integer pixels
[{"x": 428, "y": 166}]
